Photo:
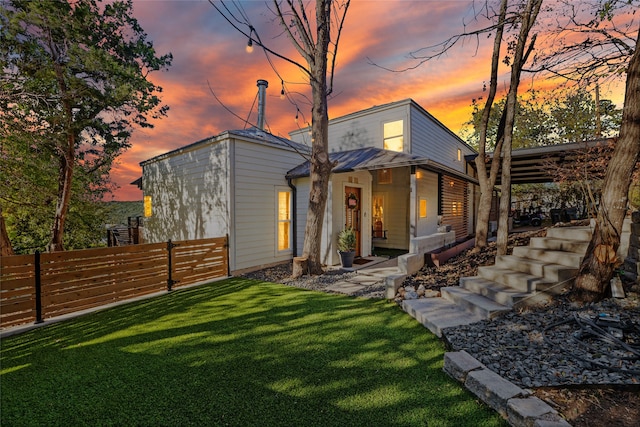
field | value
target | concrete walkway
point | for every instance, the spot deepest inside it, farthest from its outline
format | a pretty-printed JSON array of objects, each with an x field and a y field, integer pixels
[{"x": 372, "y": 273}]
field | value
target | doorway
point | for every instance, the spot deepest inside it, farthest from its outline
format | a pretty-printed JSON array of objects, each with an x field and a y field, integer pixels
[{"x": 353, "y": 213}]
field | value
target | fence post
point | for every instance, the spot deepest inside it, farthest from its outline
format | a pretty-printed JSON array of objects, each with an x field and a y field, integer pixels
[
  {"x": 170, "y": 281},
  {"x": 38, "y": 287}
]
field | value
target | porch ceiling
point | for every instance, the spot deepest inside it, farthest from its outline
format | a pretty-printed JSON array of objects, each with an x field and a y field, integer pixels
[{"x": 528, "y": 164}]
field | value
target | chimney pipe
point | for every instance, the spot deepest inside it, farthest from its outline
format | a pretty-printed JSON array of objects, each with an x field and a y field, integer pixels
[{"x": 262, "y": 94}]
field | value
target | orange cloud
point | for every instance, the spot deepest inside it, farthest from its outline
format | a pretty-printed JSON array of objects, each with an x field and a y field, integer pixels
[{"x": 208, "y": 53}]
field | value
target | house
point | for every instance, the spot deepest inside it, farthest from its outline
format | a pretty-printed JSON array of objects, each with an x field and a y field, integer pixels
[
  {"x": 401, "y": 177},
  {"x": 401, "y": 181}
]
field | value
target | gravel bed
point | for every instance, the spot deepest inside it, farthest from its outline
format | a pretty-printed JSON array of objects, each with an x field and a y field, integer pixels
[
  {"x": 282, "y": 274},
  {"x": 558, "y": 345}
]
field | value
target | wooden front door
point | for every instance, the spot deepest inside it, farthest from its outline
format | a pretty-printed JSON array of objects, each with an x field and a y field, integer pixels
[{"x": 353, "y": 212}]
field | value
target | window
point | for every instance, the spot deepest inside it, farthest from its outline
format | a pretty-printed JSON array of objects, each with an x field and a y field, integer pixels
[
  {"x": 284, "y": 220},
  {"x": 378, "y": 216},
  {"x": 147, "y": 206},
  {"x": 423, "y": 208},
  {"x": 459, "y": 155},
  {"x": 394, "y": 136}
]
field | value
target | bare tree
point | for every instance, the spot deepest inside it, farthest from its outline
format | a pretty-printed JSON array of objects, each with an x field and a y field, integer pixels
[
  {"x": 487, "y": 182},
  {"x": 319, "y": 48},
  {"x": 511, "y": 17},
  {"x": 598, "y": 266},
  {"x": 522, "y": 50}
]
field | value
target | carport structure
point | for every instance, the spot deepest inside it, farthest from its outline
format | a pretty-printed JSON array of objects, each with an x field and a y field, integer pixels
[{"x": 531, "y": 165}]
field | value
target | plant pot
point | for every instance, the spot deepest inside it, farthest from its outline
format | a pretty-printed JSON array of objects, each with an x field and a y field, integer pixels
[{"x": 346, "y": 258}]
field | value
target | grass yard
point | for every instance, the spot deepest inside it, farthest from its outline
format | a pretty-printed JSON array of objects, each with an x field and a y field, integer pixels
[{"x": 235, "y": 353}]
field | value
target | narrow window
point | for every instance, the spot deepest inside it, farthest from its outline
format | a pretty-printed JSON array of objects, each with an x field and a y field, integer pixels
[
  {"x": 459, "y": 155},
  {"x": 147, "y": 206},
  {"x": 284, "y": 220},
  {"x": 378, "y": 216},
  {"x": 423, "y": 208},
  {"x": 394, "y": 136}
]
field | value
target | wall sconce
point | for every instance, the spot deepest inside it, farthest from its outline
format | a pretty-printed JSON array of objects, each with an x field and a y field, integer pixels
[{"x": 451, "y": 183}]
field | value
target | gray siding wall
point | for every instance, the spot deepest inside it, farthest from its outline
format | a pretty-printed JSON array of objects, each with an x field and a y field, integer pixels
[
  {"x": 259, "y": 174},
  {"x": 432, "y": 140},
  {"x": 189, "y": 194},
  {"x": 396, "y": 208},
  {"x": 428, "y": 189}
]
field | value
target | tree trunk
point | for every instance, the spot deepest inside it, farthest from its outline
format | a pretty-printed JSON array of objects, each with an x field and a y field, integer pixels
[
  {"x": 487, "y": 182},
  {"x": 320, "y": 169},
  {"x": 5, "y": 244},
  {"x": 62, "y": 203},
  {"x": 519, "y": 59},
  {"x": 65, "y": 175},
  {"x": 598, "y": 266}
]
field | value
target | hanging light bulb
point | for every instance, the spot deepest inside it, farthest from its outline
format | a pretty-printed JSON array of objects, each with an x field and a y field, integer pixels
[
  {"x": 249, "y": 47},
  {"x": 297, "y": 110},
  {"x": 282, "y": 91}
]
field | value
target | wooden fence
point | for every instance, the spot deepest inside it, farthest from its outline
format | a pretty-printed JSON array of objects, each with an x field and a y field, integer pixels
[{"x": 41, "y": 286}]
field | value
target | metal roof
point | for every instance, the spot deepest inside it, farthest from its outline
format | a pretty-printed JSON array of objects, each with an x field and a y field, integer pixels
[
  {"x": 530, "y": 165},
  {"x": 253, "y": 134},
  {"x": 371, "y": 158}
]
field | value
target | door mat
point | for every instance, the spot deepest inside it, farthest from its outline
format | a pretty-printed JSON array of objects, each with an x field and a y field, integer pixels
[{"x": 361, "y": 261}]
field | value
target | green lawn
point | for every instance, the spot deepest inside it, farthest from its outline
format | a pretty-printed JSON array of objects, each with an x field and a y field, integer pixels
[{"x": 235, "y": 353}]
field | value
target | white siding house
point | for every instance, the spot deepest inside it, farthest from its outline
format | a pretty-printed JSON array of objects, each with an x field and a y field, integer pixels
[
  {"x": 410, "y": 175},
  {"x": 401, "y": 179},
  {"x": 231, "y": 184}
]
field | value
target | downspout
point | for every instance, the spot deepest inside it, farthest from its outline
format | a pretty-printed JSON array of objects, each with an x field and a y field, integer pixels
[{"x": 294, "y": 216}]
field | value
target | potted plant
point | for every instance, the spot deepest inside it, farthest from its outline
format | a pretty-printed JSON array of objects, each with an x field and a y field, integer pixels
[{"x": 347, "y": 246}]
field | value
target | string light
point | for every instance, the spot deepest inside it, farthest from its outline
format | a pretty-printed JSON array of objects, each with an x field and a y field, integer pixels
[
  {"x": 249, "y": 47},
  {"x": 297, "y": 111},
  {"x": 282, "y": 91}
]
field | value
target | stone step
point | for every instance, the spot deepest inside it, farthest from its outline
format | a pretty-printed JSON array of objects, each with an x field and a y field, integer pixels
[
  {"x": 570, "y": 259},
  {"x": 518, "y": 280},
  {"x": 437, "y": 314},
  {"x": 554, "y": 244},
  {"x": 571, "y": 233},
  {"x": 474, "y": 303},
  {"x": 497, "y": 292},
  {"x": 550, "y": 272},
  {"x": 509, "y": 296}
]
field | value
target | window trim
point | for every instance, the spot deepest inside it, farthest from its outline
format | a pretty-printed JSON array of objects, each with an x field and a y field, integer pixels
[
  {"x": 278, "y": 221},
  {"x": 400, "y": 136}
]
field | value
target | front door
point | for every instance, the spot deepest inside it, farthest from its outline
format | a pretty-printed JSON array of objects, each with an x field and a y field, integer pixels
[{"x": 353, "y": 212}]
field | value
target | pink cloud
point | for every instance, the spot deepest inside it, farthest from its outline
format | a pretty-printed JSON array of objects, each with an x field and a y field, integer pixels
[{"x": 207, "y": 51}]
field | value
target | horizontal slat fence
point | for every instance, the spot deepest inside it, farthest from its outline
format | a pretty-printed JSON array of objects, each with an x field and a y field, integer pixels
[{"x": 41, "y": 286}]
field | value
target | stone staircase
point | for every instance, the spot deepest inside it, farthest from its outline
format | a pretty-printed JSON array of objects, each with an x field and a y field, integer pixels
[{"x": 530, "y": 276}]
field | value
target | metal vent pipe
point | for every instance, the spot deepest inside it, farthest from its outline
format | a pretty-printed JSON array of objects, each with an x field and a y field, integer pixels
[{"x": 262, "y": 101}]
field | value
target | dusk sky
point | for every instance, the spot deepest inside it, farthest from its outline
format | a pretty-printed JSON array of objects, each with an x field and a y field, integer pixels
[{"x": 207, "y": 52}]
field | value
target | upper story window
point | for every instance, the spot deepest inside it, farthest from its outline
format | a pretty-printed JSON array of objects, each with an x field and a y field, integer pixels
[
  {"x": 394, "y": 136},
  {"x": 459, "y": 155}
]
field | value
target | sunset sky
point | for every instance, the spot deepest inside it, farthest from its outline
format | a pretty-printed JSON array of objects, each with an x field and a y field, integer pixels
[{"x": 209, "y": 53}]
